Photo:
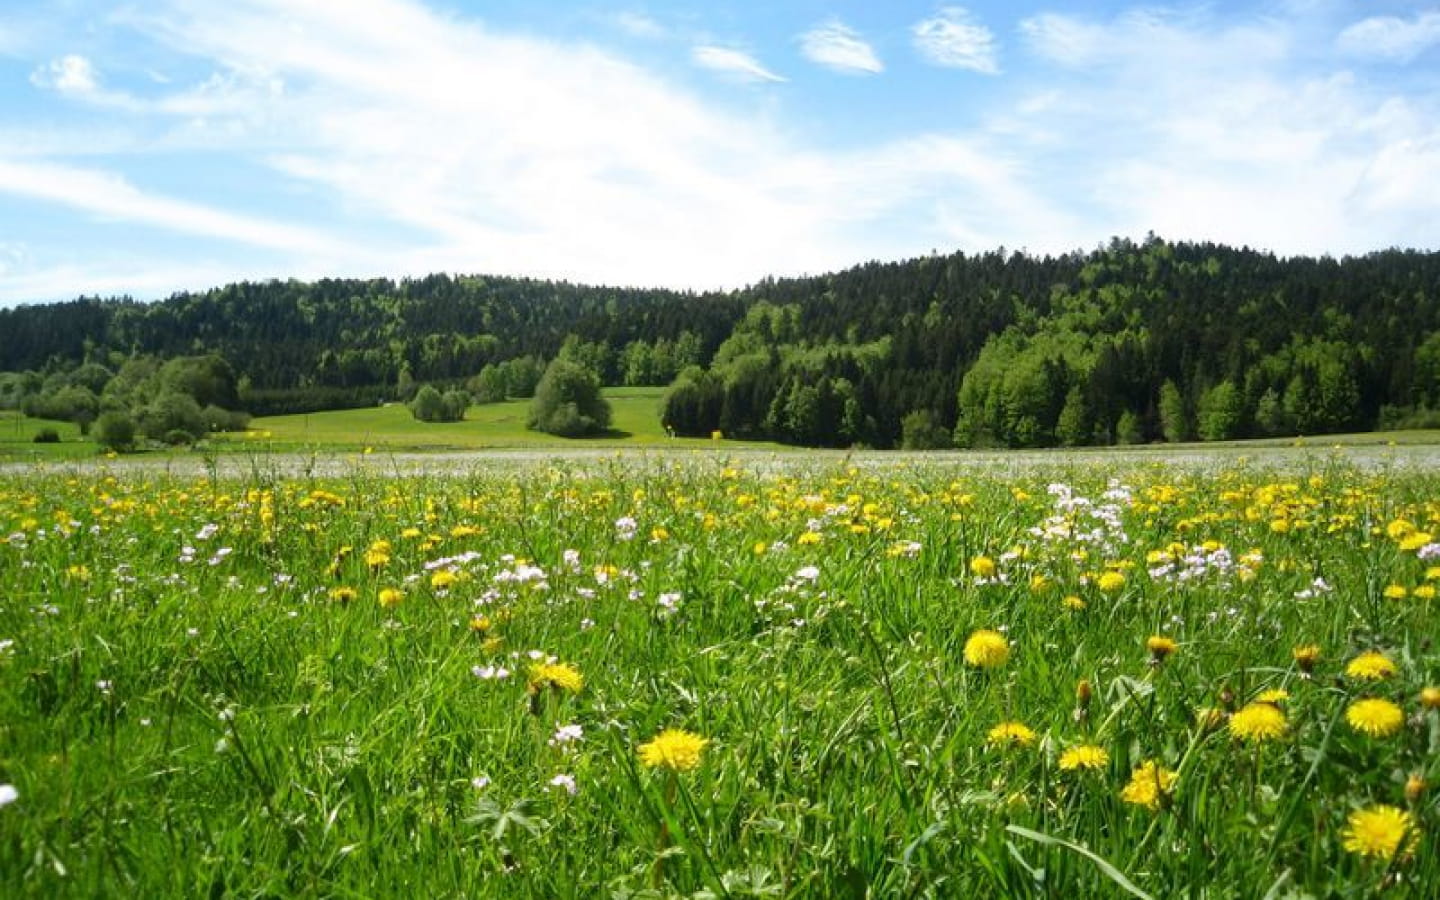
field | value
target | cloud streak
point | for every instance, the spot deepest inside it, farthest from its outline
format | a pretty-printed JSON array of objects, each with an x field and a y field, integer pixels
[
  {"x": 734, "y": 63},
  {"x": 1391, "y": 38},
  {"x": 952, "y": 38},
  {"x": 839, "y": 47},
  {"x": 110, "y": 197}
]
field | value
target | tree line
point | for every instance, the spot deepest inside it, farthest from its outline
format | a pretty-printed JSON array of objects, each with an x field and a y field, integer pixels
[{"x": 1132, "y": 341}]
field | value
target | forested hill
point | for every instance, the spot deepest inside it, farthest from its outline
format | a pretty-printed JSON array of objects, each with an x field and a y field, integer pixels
[{"x": 1127, "y": 343}]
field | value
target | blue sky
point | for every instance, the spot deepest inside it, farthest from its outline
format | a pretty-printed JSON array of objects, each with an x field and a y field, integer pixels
[{"x": 158, "y": 145}]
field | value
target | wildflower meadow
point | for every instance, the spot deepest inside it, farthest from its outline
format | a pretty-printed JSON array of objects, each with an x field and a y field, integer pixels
[{"x": 706, "y": 676}]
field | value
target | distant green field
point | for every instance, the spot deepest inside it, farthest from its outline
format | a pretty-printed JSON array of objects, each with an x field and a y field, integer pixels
[
  {"x": 502, "y": 426},
  {"x": 17, "y": 439},
  {"x": 635, "y": 423}
]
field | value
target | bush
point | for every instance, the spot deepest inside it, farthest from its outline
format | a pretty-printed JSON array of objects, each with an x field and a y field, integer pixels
[
  {"x": 115, "y": 431},
  {"x": 46, "y": 436},
  {"x": 218, "y": 419},
  {"x": 568, "y": 402},
  {"x": 170, "y": 413},
  {"x": 177, "y": 436},
  {"x": 920, "y": 431},
  {"x": 430, "y": 405}
]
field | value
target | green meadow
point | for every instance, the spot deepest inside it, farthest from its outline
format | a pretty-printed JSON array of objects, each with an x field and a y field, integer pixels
[{"x": 692, "y": 676}]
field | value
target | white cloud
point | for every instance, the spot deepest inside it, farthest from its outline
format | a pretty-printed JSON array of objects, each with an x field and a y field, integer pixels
[
  {"x": 515, "y": 155},
  {"x": 1064, "y": 39},
  {"x": 71, "y": 74},
  {"x": 1392, "y": 38},
  {"x": 840, "y": 47},
  {"x": 952, "y": 38},
  {"x": 732, "y": 62},
  {"x": 447, "y": 145},
  {"x": 640, "y": 25},
  {"x": 1216, "y": 130},
  {"x": 113, "y": 198}
]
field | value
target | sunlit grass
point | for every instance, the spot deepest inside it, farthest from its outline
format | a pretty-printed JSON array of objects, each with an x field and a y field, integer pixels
[{"x": 697, "y": 677}]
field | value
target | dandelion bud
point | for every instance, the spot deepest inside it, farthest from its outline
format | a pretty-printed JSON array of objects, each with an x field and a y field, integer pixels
[
  {"x": 1305, "y": 658},
  {"x": 1414, "y": 788},
  {"x": 1083, "y": 693},
  {"x": 1227, "y": 698}
]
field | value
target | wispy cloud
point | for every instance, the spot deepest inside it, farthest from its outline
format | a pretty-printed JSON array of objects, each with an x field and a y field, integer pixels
[
  {"x": 72, "y": 74},
  {"x": 954, "y": 39},
  {"x": 840, "y": 47},
  {"x": 733, "y": 63},
  {"x": 640, "y": 25},
  {"x": 1392, "y": 38},
  {"x": 573, "y": 163},
  {"x": 111, "y": 197},
  {"x": 1231, "y": 138}
]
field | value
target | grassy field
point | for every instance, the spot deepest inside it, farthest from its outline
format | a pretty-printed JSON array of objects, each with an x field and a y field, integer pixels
[
  {"x": 635, "y": 423},
  {"x": 691, "y": 677},
  {"x": 384, "y": 429}
]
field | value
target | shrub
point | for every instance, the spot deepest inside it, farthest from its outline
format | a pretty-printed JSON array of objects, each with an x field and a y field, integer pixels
[
  {"x": 170, "y": 413},
  {"x": 430, "y": 405},
  {"x": 47, "y": 436},
  {"x": 920, "y": 431},
  {"x": 115, "y": 431},
  {"x": 568, "y": 402}
]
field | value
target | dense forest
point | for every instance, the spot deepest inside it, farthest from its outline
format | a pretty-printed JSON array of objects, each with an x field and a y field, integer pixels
[{"x": 1130, "y": 342}]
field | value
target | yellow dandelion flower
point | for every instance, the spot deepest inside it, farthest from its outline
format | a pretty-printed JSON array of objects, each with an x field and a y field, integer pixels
[
  {"x": 1371, "y": 666},
  {"x": 1151, "y": 785},
  {"x": 1399, "y": 529},
  {"x": 987, "y": 649},
  {"x": 1414, "y": 541},
  {"x": 1306, "y": 656},
  {"x": 1424, "y": 592},
  {"x": 1160, "y": 647},
  {"x": 1378, "y": 831},
  {"x": 1430, "y": 697},
  {"x": 391, "y": 597},
  {"x": 1375, "y": 717},
  {"x": 673, "y": 749},
  {"x": 561, "y": 676},
  {"x": 1395, "y": 592},
  {"x": 1258, "y": 722},
  {"x": 1274, "y": 695},
  {"x": 443, "y": 579},
  {"x": 809, "y": 537},
  {"x": 982, "y": 567},
  {"x": 1010, "y": 734},
  {"x": 1110, "y": 582},
  {"x": 343, "y": 594},
  {"x": 1086, "y": 757}
]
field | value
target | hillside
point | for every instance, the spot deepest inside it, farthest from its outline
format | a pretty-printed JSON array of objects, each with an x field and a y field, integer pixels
[{"x": 1130, "y": 342}]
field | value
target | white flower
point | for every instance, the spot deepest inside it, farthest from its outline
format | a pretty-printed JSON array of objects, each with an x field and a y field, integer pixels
[
  {"x": 808, "y": 573},
  {"x": 565, "y": 781},
  {"x": 8, "y": 794},
  {"x": 625, "y": 528},
  {"x": 490, "y": 673},
  {"x": 480, "y": 782},
  {"x": 567, "y": 734}
]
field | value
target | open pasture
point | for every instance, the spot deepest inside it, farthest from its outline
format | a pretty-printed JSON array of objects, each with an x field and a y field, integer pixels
[{"x": 704, "y": 676}]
